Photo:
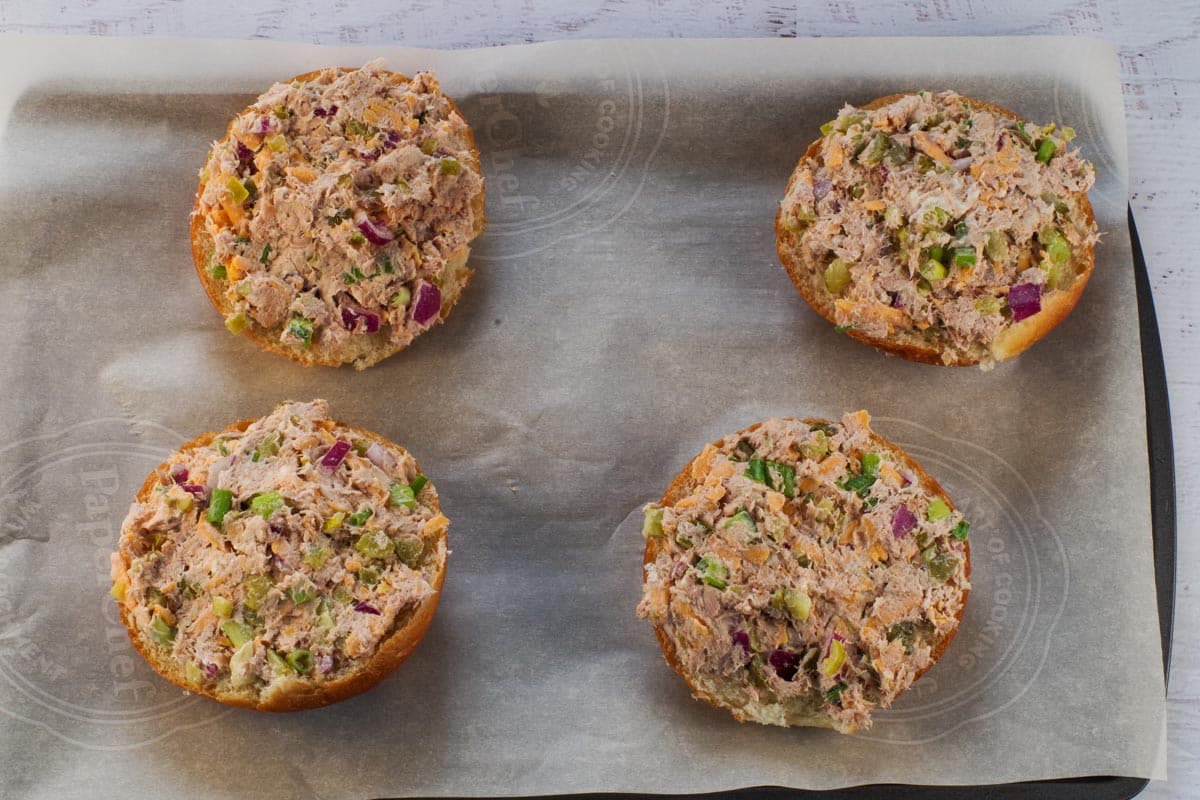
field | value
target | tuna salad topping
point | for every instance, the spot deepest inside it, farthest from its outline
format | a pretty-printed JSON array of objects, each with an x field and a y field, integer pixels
[
  {"x": 339, "y": 206},
  {"x": 288, "y": 551},
  {"x": 934, "y": 216},
  {"x": 807, "y": 564}
]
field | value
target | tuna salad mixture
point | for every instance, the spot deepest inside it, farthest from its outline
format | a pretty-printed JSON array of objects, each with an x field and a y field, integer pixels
[
  {"x": 807, "y": 563},
  {"x": 288, "y": 551},
  {"x": 338, "y": 205},
  {"x": 927, "y": 215}
]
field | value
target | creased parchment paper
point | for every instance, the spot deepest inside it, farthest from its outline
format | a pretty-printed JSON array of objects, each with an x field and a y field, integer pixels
[{"x": 628, "y": 308}]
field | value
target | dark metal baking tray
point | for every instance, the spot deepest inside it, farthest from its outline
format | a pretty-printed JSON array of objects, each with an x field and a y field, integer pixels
[{"x": 1162, "y": 512}]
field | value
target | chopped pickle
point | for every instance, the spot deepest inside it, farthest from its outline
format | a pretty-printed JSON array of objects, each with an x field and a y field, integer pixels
[
  {"x": 237, "y": 633},
  {"x": 401, "y": 298},
  {"x": 903, "y": 632},
  {"x": 277, "y": 143},
  {"x": 450, "y": 166},
  {"x": 316, "y": 557},
  {"x": 742, "y": 517},
  {"x": 652, "y": 523},
  {"x": 797, "y": 604},
  {"x": 239, "y": 192},
  {"x": 279, "y": 665},
  {"x": 837, "y": 276},
  {"x": 257, "y": 587},
  {"x": 369, "y": 575},
  {"x": 269, "y": 446},
  {"x": 219, "y": 505},
  {"x": 1056, "y": 247},
  {"x": 964, "y": 256},
  {"x": 816, "y": 447},
  {"x": 409, "y": 550},
  {"x": 932, "y": 270},
  {"x": 302, "y": 329},
  {"x": 832, "y": 664},
  {"x": 301, "y": 661},
  {"x": 997, "y": 246},
  {"x": 161, "y": 632},
  {"x": 192, "y": 672},
  {"x": 374, "y": 544},
  {"x": 222, "y": 606},
  {"x": 236, "y": 322},
  {"x": 987, "y": 305},
  {"x": 941, "y": 564},
  {"x": 266, "y": 504},
  {"x": 239, "y": 665},
  {"x": 334, "y": 522},
  {"x": 429, "y": 146},
  {"x": 936, "y": 510},
  {"x": 301, "y": 594}
]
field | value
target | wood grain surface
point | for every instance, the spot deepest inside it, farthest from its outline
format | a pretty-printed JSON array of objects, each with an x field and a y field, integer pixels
[{"x": 1160, "y": 62}]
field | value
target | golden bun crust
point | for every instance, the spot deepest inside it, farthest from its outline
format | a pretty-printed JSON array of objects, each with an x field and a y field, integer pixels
[
  {"x": 684, "y": 485},
  {"x": 364, "y": 350},
  {"x": 806, "y": 274},
  {"x": 298, "y": 694}
]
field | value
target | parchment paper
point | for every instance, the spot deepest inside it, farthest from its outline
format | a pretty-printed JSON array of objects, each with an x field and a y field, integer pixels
[{"x": 628, "y": 308}]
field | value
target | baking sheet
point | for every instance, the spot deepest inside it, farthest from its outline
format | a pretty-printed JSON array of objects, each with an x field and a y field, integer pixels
[{"x": 628, "y": 307}]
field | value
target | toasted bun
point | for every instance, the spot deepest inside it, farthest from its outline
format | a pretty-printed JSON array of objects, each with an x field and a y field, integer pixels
[
  {"x": 804, "y": 711},
  {"x": 299, "y": 694},
  {"x": 807, "y": 274},
  {"x": 362, "y": 350}
]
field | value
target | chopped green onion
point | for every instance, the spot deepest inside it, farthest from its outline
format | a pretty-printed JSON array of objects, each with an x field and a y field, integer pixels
[
  {"x": 652, "y": 523},
  {"x": 937, "y": 510},
  {"x": 357, "y": 240},
  {"x": 834, "y": 695},
  {"x": 782, "y": 478},
  {"x": 265, "y": 258},
  {"x": 827, "y": 129},
  {"x": 1045, "y": 151},
  {"x": 359, "y": 518},
  {"x": 837, "y": 276},
  {"x": 418, "y": 483},
  {"x": 756, "y": 470},
  {"x": 935, "y": 218},
  {"x": 401, "y": 494},
  {"x": 301, "y": 661},
  {"x": 217, "y": 270},
  {"x": 938, "y": 253},
  {"x": 870, "y": 464},
  {"x": 876, "y": 150},
  {"x": 267, "y": 446},
  {"x": 302, "y": 329},
  {"x": 219, "y": 505},
  {"x": 712, "y": 572},
  {"x": 964, "y": 256},
  {"x": 960, "y": 230},
  {"x": 266, "y": 504},
  {"x": 374, "y": 544},
  {"x": 961, "y": 531}
]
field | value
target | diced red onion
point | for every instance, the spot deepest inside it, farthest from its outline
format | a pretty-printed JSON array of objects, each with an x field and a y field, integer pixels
[
  {"x": 335, "y": 455},
  {"x": 1025, "y": 300},
  {"x": 821, "y": 188},
  {"x": 378, "y": 455},
  {"x": 427, "y": 304},
  {"x": 264, "y": 125},
  {"x": 201, "y": 493},
  {"x": 907, "y": 479},
  {"x": 324, "y": 664},
  {"x": 366, "y": 608},
  {"x": 179, "y": 473},
  {"x": 244, "y": 153},
  {"x": 325, "y": 112},
  {"x": 351, "y": 317},
  {"x": 375, "y": 233},
  {"x": 903, "y": 522},
  {"x": 212, "y": 671},
  {"x": 897, "y": 300},
  {"x": 785, "y": 663},
  {"x": 742, "y": 639},
  {"x": 883, "y": 173},
  {"x": 836, "y": 205}
]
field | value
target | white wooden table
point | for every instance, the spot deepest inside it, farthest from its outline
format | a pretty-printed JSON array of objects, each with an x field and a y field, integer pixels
[{"x": 1160, "y": 60}]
